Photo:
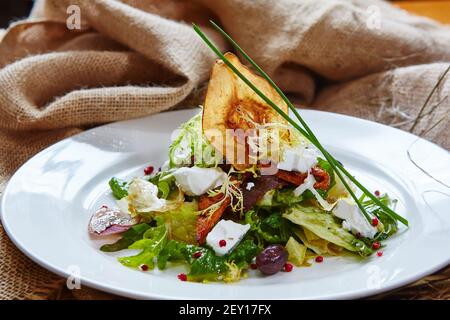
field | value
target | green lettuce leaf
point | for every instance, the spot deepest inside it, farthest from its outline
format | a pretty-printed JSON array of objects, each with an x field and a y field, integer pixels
[
  {"x": 206, "y": 267},
  {"x": 244, "y": 253},
  {"x": 151, "y": 245},
  {"x": 327, "y": 227},
  {"x": 387, "y": 225},
  {"x": 173, "y": 251},
  {"x": 279, "y": 198},
  {"x": 204, "y": 264},
  {"x": 181, "y": 222},
  {"x": 296, "y": 252},
  {"x": 130, "y": 236},
  {"x": 118, "y": 187},
  {"x": 269, "y": 227},
  {"x": 165, "y": 183}
]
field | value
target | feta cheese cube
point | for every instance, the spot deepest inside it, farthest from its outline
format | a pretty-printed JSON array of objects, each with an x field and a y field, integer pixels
[
  {"x": 354, "y": 220},
  {"x": 196, "y": 181},
  {"x": 229, "y": 231}
]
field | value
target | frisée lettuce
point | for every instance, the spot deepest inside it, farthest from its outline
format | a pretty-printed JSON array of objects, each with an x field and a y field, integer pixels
[{"x": 191, "y": 146}]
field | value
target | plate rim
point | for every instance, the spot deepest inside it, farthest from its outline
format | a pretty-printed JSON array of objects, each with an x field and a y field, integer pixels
[{"x": 132, "y": 293}]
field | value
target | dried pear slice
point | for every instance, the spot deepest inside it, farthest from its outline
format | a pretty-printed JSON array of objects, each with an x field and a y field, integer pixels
[{"x": 232, "y": 104}]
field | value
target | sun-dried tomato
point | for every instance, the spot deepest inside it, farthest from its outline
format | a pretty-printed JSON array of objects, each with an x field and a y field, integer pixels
[
  {"x": 322, "y": 177},
  {"x": 207, "y": 221},
  {"x": 296, "y": 178}
]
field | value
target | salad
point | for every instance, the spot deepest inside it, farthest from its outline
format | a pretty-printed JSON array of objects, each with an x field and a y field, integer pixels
[{"x": 241, "y": 189}]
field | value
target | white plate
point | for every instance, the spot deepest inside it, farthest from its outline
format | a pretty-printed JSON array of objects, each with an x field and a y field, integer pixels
[{"x": 48, "y": 202}]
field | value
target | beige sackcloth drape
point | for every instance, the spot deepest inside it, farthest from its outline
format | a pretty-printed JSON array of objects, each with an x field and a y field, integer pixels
[{"x": 134, "y": 58}]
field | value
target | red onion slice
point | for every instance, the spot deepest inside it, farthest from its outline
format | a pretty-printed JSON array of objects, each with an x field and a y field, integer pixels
[{"x": 106, "y": 221}]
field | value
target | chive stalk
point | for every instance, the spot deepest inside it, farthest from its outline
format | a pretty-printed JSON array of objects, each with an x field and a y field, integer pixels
[{"x": 305, "y": 131}]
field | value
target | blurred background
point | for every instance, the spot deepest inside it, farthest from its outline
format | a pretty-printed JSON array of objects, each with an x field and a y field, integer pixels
[{"x": 12, "y": 10}]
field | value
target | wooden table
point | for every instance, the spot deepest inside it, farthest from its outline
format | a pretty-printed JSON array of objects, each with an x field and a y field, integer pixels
[
  {"x": 435, "y": 9},
  {"x": 436, "y": 286}
]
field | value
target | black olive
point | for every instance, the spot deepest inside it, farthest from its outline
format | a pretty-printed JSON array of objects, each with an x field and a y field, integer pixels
[{"x": 272, "y": 259}]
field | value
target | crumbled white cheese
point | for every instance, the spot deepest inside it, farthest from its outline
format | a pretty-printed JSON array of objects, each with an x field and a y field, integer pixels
[
  {"x": 354, "y": 220},
  {"x": 250, "y": 186},
  {"x": 301, "y": 159},
  {"x": 229, "y": 231},
  {"x": 142, "y": 197},
  {"x": 196, "y": 181},
  {"x": 308, "y": 184}
]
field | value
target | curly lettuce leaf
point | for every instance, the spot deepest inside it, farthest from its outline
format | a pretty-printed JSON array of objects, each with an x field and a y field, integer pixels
[
  {"x": 327, "y": 227},
  {"x": 205, "y": 265},
  {"x": 244, "y": 253},
  {"x": 173, "y": 251},
  {"x": 191, "y": 142},
  {"x": 271, "y": 228},
  {"x": 151, "y": 245}
]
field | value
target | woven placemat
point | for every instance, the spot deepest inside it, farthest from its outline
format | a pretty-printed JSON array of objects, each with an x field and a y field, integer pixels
[{"x": 133, "y": 58}]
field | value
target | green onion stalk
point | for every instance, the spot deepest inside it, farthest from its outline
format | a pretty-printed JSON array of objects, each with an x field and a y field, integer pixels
[{"x": 305, "y": 130}]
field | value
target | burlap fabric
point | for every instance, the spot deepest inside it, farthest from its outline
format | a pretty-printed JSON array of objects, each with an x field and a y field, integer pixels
[{"x": 134, "y": 58}]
